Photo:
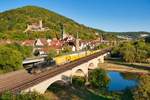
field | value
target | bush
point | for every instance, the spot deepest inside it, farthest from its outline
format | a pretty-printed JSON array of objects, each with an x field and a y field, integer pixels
[
  {"x": 78, "y": 81},
  {"x": 6, "y": 96},
  {"x": 99, "y": 78}
]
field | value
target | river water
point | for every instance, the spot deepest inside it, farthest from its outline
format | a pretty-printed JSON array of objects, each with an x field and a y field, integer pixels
[{"x": 121, "y": 81}]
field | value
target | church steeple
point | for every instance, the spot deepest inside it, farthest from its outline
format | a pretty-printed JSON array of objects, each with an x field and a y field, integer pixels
[{"x": 77, "y": 41}]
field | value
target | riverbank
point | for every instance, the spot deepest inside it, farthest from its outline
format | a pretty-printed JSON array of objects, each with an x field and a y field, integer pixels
[{"x": 123, "y": 67}]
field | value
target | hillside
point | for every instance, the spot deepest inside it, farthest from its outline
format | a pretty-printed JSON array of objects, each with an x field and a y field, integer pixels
[{"x": 14, "y": 22}]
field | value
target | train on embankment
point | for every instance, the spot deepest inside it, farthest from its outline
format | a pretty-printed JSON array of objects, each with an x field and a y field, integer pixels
[{"x": 59, "y": 60}]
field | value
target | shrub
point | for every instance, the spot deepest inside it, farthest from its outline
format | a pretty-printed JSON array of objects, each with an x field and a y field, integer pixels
[
  {"x": 99, "y": 78},
  {"x": 78, "y": 81}
]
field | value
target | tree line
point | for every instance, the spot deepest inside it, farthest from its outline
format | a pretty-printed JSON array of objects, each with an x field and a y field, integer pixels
[
  {"x": 11, "y": 57},
  {"x": 137, "y": 51}
]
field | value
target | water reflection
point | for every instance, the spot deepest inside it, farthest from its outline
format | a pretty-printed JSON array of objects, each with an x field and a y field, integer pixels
[{"x": 120, "y": 82}]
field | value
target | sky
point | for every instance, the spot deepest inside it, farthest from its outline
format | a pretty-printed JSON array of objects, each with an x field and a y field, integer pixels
[{"x": 108, "y": 15}]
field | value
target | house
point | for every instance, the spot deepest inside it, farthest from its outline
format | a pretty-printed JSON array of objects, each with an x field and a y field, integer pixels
[
  {"x": 88, "y": 43},
  {"x": 42, "y": 42}
]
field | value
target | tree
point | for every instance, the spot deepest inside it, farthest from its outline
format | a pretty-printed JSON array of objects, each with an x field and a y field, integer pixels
[
  {"x": 26, "y": 51},
  {"x": 99, "y": 78},
  {"x": 101, "y": 46},
  {"x": 78, "y": 81},
  {"x": 109, "y": 37},
  {"x": 141, "y": 53},
  {"x": 10, "y": 59},
  {"x": 66, "y": 49},
  {"x": 147, "y": 39},
  {"x": 51, "y": 54},
  {"x": 137, "y": 51},
  {"x": 116, "y": 52},
  {"x": 128, "y": 52}
]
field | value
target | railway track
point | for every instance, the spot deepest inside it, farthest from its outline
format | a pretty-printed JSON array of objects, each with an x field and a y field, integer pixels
[{"x": 35, "y": 79}]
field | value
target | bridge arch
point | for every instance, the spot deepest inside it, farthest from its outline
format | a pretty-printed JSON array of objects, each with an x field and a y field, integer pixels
[
  {"x": 91, "y": 66},
  {"x": 43, "y": 86},
  {"x": 57, "y": 83},
  {"x": 79, "y": 72}
]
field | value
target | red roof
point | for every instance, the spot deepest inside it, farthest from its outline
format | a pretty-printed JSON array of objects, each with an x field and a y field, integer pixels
[
  {"x": 28, "y": 42},
  {"x": 57, "y": 44},
  {"x": 44, "y": 41}
]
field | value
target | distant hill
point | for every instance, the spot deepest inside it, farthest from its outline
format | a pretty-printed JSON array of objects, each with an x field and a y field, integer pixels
[
  {"x": 14, "y": 22},
  {"x": 134, "y": 35}
]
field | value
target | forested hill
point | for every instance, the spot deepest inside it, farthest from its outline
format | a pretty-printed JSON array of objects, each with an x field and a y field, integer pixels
[{"x": 14, "y": 22}]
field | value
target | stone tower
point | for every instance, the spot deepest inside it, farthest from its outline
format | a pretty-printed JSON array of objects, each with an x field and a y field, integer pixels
[{"x": 40, "y": 24}]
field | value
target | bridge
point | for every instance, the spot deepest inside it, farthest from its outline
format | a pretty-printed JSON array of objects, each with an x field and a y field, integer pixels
[{"x": 25, "y": 82}]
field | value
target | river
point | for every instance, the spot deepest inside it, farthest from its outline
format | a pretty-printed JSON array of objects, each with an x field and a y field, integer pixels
[{"x": 121, "y": 81}]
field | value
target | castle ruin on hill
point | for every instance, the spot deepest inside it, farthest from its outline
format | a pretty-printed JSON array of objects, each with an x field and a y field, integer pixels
[{"x": 36, "y": 27}]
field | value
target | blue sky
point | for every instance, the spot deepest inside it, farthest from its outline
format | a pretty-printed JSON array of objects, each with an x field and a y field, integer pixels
[{"x": 109, "y": 15}]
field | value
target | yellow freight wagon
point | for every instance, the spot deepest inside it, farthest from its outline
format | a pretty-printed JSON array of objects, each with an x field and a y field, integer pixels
[{"x": 71, "y": 57}]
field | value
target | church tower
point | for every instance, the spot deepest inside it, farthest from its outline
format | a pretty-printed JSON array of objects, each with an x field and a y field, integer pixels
[
  {"x": 101, "y": 38},
  {"x": 40, "y": 24},
  {"x": 77, "y": 42}
]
